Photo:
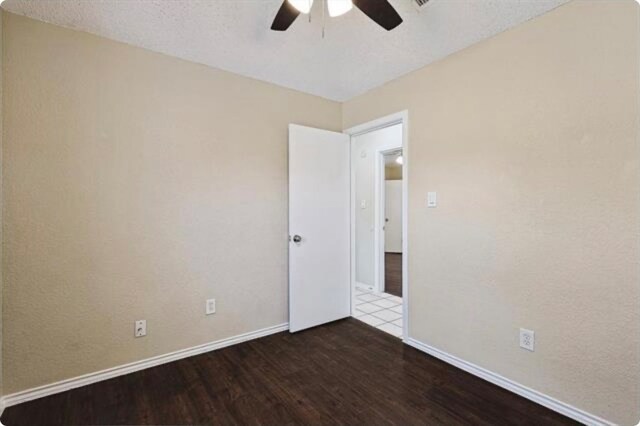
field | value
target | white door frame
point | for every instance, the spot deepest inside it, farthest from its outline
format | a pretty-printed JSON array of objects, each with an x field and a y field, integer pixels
[{"x": 380, "y": 123}]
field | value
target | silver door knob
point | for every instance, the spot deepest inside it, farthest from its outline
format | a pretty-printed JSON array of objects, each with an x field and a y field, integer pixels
[{"x": 297, "y": 238}]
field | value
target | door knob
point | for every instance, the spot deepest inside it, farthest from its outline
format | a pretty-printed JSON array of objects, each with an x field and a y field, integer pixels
[{"x": 297, "y": 238}]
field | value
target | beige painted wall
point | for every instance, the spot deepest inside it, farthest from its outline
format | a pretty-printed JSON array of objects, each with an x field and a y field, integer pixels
[
  {"x": 531, "y": 140},
  {"x": 393, "y": 172},
  {"x": 137, "y": 186},
  {"x": 1, "y": 197}
]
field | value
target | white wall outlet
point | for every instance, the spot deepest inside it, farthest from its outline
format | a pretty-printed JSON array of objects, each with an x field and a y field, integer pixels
[
  {"x": 211, "y": 306},
  {"x": 141, "y": 328},
  {"x": 432, "y": 199},
  {"x": 527, "y": 339}
]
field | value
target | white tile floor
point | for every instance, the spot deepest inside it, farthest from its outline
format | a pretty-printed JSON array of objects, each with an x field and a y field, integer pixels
[{"x": 380, "y": 310}]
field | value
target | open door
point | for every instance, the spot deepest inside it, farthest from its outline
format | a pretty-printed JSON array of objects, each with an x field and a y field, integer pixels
[{"x": 319, "y": 216}]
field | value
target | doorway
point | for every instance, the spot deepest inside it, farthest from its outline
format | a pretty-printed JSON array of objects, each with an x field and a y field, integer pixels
[
  {"x": 392, "y": 226},
  {"x": 378, "y": 224}
]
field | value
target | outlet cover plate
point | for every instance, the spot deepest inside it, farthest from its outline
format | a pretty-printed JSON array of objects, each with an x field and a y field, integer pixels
[
  {"x": 140, "y": 329},
  {"x": 527, "y": 339}
]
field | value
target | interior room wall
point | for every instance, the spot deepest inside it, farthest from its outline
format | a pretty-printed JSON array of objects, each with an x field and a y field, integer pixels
[
  {"x": 364, "y": 163},
  {"x": 393, "y": 172},
  {"x": 531, "y": 141},
  {"x": 118, "y": 204}
]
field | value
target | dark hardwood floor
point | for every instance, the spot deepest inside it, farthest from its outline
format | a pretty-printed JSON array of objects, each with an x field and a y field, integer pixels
[
  {"x": 345, "y": 372},
  {"x": 393, "y": 273}
]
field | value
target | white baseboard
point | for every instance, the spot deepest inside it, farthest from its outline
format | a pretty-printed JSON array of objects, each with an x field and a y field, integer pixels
[
  {"x": 363, "y": 286},
  {"x": 87, "y": 379},
  {"x": 535, "y": 396}
]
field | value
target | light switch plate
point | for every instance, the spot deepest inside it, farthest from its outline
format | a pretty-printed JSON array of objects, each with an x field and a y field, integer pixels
[
  {"x": 432, "y": 199},
  {"x": 210, "y": 306}
]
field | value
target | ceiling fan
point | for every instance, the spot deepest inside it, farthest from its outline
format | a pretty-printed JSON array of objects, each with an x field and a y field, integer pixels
[{"x": 380, "y": 11}]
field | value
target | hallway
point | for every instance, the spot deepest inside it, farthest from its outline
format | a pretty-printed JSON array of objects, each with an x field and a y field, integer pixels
[{"x": 393, "y": 273}]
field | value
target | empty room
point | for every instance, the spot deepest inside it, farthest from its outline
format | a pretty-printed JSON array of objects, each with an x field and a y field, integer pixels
[{"x": 320, "y": 212}]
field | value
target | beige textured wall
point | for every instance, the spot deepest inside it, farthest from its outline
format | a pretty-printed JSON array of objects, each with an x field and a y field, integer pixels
[
  {"x": 531, "y": 140},
  {"x": 1, "y": 197},
  {"x": 137, "y": 186}
]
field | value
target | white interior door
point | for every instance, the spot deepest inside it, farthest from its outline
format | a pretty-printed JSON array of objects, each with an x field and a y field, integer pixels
[
  {"x": 319, "y": 215},
  {"x": 393, "y": 212}
]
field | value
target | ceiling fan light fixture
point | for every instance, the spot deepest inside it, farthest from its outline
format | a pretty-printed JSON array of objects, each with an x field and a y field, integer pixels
[
  {"x": 339, "y": 7},
  {"x": 379, "y": 11},
  {"x": 302, "y": 6}
]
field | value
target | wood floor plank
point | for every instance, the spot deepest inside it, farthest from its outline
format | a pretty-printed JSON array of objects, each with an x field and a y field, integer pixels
[
  {"x": 342, "y": 373},
  {"x": 393, "y": 273}
]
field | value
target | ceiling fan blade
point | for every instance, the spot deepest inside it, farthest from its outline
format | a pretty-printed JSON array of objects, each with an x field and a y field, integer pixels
[
  {"x": 285, "y": 17},
  {"x": 379, "y": 11}
]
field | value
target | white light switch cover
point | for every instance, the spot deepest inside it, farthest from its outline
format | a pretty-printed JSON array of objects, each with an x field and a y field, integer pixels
[
  {"x": 210, "y": 307},
  {"x": 432, "y": 199}
]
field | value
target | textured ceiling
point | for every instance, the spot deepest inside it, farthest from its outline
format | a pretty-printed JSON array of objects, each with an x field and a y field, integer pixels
[{"x": 354, "y": 56}]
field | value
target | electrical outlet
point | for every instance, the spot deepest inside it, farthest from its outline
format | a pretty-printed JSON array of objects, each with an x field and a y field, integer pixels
[
  {"x": 141, "y": 328},
  {"x": 527, "y": 339},
  {"x": 211, "y": 306}
]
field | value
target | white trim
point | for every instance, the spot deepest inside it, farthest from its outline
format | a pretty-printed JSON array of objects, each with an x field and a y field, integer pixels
[
  {"x": 533, "y": 395},
  {"x": 380, "y": 123},
  {"x": 87, "y": 379},
  {"x": 352, "y": 242},
  {"x": 364, "y": 286},
  {"x": 405, "y": 224},
  {"x": 378, "y": 209}
]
